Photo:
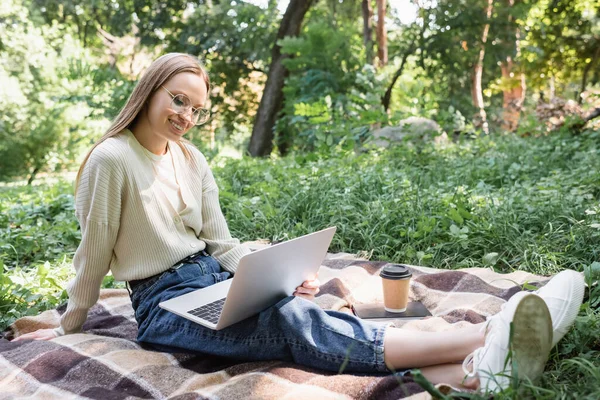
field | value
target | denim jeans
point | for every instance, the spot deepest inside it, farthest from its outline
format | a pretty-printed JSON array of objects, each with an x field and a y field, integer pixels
[{"x": 294, "y": 329}]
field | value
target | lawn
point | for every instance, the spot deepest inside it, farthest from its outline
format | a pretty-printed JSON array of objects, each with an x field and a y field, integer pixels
[{"x": 503, "y": 202}]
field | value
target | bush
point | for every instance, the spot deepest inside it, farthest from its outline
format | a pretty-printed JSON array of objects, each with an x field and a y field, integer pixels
[
  {"x": 331, "y": 100},
  {"x": 54, "y": 97}
]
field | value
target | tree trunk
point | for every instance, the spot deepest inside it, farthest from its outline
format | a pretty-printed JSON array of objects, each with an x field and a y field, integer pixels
[
  {"x": 367, "y": 12},
  {"x": 382, "y": 51},
  {"x": 586, "y": 71},
  {"x": 33, "y": 174},
  {"x": 514, "y": 96},
  {"x": 85, "y": 34},
  {"x": 477, "y": 91},
  {"x": 283, "y": 140},
  {"x": 514, "y": 87},
  {"x": 387, "y": 97},
  {"x": 261, "y": 142},
  {"x": 595, "y": 77},
  {"x": 424, "y": 13}
]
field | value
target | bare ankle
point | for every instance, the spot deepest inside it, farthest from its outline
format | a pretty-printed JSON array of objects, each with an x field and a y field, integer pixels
[{"x": 471, "y": 383}]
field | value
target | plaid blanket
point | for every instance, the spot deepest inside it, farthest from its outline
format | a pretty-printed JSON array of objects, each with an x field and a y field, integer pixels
[{"x": 105, "y": 362}]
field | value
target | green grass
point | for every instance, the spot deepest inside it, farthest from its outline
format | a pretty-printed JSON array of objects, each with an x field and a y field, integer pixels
[{"x": 504, "y": 202}]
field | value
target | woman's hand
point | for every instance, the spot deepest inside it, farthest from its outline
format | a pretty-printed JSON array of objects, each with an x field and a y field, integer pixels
[
  {"x": 308, "y": 289},
  {"x": 40, "y": 334}
]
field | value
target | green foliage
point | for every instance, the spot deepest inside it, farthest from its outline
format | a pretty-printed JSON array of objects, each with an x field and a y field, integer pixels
[
  {"x": 100, "y": 89},
  {"x": 37, "y": 225},
  {"x": 38, "y": 237},
  {"x": 508, "y": 202},
  {"x": 562, "y": 40},
  {"x": 523, "y": 199},
  {"x": 234, "y": 39},
  {"x": 330, "y": 98},
  {"x": 153, "y": 20},
  {"x": 558, "y": 42},
  {"x": 43, "y": 121},
  {"x": 31, "y": 291},
  {"x": 592, "y": 276}
]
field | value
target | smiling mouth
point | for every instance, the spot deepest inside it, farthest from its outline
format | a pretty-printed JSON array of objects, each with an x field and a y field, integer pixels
[{"x": 177, "y": 126}]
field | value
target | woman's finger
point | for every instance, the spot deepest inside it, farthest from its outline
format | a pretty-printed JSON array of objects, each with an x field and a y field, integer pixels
[
  {"x": 306, "y": 297},
  {"x": 312, "y": 283},
  {"x": 308, "y": 291}
]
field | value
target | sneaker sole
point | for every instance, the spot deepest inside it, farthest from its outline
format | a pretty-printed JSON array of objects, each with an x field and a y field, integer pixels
[{"x": 532, "y": 337}]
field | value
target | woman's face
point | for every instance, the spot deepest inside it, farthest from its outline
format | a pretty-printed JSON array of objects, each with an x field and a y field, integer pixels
[{"x": 165, "y": 123}]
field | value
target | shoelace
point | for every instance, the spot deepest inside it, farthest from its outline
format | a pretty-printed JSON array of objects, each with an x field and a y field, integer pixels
[
  {"x": 468, "y": 360},
  {"x": 475, "y": 357}
]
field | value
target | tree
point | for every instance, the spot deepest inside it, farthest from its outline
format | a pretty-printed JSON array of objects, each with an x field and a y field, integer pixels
[
  {"x": 448, "y": 43},
  {"x": 261, "y": 141},
  {"x": 230, "y": 38},
  {"x": 42, "y": 119},
  {"x": 381, "y": 33},
  {"x": 586, "y": 71},
  {"x": 513, "y": 77},
  {"x": 83, "y": 17},
  {"x": 477, "y": 91},
  {"x": 387, "y": 97},
  {"x": 562, "y": 41},
  {"x": 330, "y": 94},
  {"x": 367, "y": 15}
]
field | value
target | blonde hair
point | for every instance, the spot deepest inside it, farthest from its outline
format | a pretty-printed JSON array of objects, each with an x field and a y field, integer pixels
[{"x": 160, "y": 71}]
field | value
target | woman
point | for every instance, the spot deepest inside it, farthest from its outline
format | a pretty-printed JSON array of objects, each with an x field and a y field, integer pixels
[{"x": 146, "y": 201}]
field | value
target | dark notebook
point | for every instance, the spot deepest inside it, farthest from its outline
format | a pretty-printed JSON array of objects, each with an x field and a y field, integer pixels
[{"x": 375, "y": 311}]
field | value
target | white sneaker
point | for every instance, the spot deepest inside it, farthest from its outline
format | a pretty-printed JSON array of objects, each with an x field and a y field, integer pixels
[
  {"x": 563, "y": 295},
  {"x": 528, "y": 346}
]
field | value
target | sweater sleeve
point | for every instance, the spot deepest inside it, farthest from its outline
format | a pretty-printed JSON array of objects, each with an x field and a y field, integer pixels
[
  {"x": 98, "y": 209},
  {"x": 215, "y": 233}
]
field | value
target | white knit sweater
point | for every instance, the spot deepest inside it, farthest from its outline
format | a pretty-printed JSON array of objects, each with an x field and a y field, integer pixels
[{"x": 129, "y": 227}]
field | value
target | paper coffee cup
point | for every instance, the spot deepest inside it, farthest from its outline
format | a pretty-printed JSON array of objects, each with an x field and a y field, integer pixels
[{"x": 396, "y": 285}]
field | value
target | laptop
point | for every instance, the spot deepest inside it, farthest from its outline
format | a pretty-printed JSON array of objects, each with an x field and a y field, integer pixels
[{"x": 262, "y": 279}]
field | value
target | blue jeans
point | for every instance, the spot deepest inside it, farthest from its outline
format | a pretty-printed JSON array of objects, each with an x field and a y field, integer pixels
[{"x": 292, "y": 330}]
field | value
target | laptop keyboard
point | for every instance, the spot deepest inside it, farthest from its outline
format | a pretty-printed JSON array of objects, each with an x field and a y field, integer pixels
[{"x": 210, "y": 312}]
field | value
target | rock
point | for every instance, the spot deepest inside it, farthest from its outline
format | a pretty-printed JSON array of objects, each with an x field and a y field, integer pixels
[
  {"x": 554, "y": 113},
  {"x": 410, "y": 129}
]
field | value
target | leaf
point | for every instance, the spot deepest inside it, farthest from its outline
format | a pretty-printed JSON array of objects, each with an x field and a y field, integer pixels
[
  {"x": 53, "y": 282},
  {"x": 454, "y": 230},
  {"x": 490, "y": 259},
  {"x": 528, "y": 286},
  {"x": 31, "y": 297},
  {"x": 42, "y": 270},
  {"x": 592, "y": 271},
  {"x": 464, "y": 213},
  {"x": 456, "y": 217}
]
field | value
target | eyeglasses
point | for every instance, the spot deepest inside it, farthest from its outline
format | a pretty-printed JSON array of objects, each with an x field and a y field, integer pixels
[{"x": 181, "y": 104}]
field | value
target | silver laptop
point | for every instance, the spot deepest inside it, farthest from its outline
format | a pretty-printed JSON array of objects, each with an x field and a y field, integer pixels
[{"x": 263, "y": 278}]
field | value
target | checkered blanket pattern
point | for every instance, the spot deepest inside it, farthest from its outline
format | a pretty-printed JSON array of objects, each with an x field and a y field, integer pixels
[{"x": 105, "y": 361}]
